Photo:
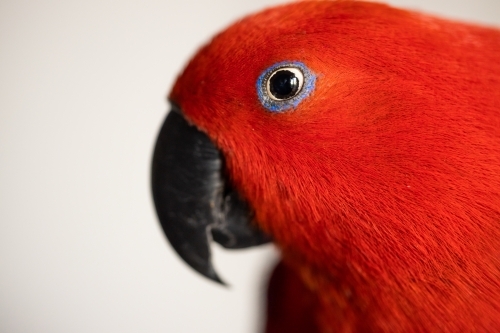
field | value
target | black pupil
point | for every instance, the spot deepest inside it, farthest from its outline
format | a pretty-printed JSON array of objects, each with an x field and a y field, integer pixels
[{"x": 284, "y": 84}]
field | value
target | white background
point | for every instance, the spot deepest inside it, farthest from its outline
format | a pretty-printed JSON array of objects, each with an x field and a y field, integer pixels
[{"x": 82, "y": 96}]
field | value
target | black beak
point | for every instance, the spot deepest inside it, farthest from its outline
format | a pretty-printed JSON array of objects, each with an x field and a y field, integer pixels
[{"x": 194, "y": 202}]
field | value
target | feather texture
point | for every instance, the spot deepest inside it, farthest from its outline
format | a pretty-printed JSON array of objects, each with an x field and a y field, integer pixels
[{"x": 381, "y": 188}]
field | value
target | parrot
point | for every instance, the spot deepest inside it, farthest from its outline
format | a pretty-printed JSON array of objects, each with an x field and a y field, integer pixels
[{"x": 363, "y": 140}]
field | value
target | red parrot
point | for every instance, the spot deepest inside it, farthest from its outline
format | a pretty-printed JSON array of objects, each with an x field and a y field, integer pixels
[{"x": 364, "y": 141}]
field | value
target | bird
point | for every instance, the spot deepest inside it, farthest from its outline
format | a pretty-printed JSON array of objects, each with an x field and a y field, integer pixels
[{"x": 364, "y": 141}]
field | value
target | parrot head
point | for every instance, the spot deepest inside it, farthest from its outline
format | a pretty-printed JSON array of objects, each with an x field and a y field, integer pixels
[{"x": 344, "y": 131}]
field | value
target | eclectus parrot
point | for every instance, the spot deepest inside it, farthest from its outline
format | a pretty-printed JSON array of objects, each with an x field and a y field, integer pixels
[{"x": 364, "y": 141}]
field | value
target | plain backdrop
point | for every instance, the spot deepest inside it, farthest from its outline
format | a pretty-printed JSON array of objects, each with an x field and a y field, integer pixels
[{"x": 82, "y": 97}]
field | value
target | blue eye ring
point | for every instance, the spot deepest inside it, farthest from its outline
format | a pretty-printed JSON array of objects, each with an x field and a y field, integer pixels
[{"x": 277, "y": 105}]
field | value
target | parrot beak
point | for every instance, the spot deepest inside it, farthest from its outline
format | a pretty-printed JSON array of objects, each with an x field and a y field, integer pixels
[{"x": 193, "y": 200}]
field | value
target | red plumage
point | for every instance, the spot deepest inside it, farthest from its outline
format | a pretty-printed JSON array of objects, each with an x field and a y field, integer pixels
[{"x": 382, "y": 188}]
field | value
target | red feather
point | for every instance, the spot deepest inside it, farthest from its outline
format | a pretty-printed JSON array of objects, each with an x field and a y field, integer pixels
[{"x": 382, "y": 188}]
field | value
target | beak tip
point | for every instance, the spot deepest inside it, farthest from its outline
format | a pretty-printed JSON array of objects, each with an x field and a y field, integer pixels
[{"x": 212, "y": 275}]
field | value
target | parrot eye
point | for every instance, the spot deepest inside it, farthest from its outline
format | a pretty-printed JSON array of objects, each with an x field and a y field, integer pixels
[{"x": 284, "y": 85}]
